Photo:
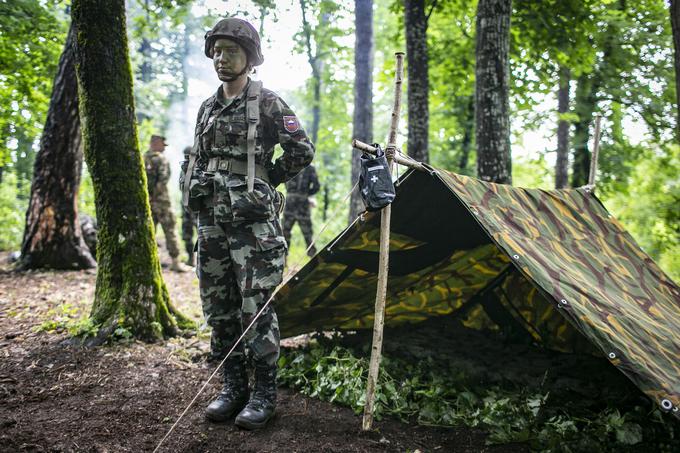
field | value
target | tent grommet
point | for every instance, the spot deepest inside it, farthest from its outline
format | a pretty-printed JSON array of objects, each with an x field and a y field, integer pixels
[
  {"x": 666, "y": 404},
  {"x": 612, "y": 355},
  {"x": 516, "y": 256},
  {"x": 564, "y": 302}
]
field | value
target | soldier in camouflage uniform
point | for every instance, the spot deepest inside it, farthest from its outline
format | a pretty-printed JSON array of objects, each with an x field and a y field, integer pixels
[
  {"x": 157, "y": 176},
  {"x": 188, "y": 224},
  {"x": 297, "y": 209},
  {"x": 230, "y": 182}
]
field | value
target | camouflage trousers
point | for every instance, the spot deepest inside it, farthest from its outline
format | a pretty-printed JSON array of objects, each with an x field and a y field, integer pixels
[
  {"x": 188, "y": 225},
  {"x": 239, "y": 265},
  {"x": 162, "y": 213},
  {"x": 297, "y": 210}
]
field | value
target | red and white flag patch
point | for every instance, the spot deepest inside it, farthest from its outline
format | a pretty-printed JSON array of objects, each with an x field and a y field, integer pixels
[{"x": 291, "y": 124}]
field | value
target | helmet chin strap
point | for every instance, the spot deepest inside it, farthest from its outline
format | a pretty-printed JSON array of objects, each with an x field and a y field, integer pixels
[{"x": 245, "y": 69}]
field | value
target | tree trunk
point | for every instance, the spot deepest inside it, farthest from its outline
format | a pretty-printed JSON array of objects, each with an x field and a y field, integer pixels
[
  {"x": 675, "y": 25},
  {"x": 491, "y": 91},
  {"x": 130, "y": 292},
  {"x": 562, "y": 161},
  {"x": 418, "y": 82},
  {"x": 363, "y": 93},
  {"x": 52, "y": 236},
  {"x": 584, "y": 106}
]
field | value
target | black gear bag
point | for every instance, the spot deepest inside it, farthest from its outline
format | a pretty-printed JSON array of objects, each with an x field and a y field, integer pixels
[{"x": 375, "y": 181}]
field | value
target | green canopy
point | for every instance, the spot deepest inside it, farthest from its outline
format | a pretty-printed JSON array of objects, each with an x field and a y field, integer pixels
[{"x": 552, "y": 266}]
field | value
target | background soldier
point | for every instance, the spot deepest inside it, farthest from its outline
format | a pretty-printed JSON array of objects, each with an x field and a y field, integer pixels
[
  {"x": 157, "y": 176},
  {"x": 297, "y": 209},
  {"x": 188, "y": 224},
  {"x": 230, "y": 181}
]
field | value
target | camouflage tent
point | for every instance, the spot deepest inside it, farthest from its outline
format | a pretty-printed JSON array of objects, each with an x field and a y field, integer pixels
[{"x": 551, "y": 265}]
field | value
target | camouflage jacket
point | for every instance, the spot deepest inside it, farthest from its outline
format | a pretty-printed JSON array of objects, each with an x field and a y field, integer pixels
[
  {"x": 157, "y": 174},
  {"x": 221, "y": 131},
  {"x": 306, "y": 183}
]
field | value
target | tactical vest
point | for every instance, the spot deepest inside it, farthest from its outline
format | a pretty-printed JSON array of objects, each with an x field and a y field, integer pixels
[{"x": 233, "y": 134}]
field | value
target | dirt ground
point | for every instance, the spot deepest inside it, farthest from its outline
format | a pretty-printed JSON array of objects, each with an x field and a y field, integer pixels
[{"x": 125, "y": 398}]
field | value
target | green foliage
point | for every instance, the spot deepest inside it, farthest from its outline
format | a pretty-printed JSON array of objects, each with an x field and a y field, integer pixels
[
  {"x": 646, "y": 203},
  {"x": 159, "y": 36},
  {"x": 32, "y": 36},
  {"x": 333, "y": 58},
  {"x": 432, "y": 395},
  {"x": 451, "y": 44},
  {"x": 86, "y": 195},
  {"x": 65, "y": 318},
  {"x": 12, "y": 213},
  {"x": 533, "y": 172}
]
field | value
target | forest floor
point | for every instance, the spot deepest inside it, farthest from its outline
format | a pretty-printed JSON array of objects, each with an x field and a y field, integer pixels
[{"x": 125, "y": 397}]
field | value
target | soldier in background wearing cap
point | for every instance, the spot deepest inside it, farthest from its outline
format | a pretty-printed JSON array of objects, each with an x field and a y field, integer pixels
[
  {"x": 157, "y": 176},
  {"x": 230, "y": 182}
]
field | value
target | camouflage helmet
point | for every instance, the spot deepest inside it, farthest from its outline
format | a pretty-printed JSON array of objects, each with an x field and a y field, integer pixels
[{"x": 237, "y": 30}]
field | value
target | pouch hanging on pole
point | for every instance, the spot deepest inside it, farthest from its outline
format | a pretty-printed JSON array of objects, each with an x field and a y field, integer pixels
[{"x": 375, "y": 181}]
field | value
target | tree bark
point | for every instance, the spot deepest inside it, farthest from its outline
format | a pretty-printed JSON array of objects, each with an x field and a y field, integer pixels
[
  {"x": 363, "y": 93},
  {"x": 562, "y": 161},
  {"x": 130, "y": 292},
  {"x": 675, "y": 25},
  {"x": 492, "y": 91},
  {"x": 415, "y": 22},
  {"x": 584, "y": 106},
  {"x": 52, "y": 235}
]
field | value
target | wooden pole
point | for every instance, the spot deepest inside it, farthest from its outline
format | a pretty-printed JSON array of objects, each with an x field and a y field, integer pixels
[
  {"x": 407, "y": 162},
  {"x": 596, "y": 152},
  {"x": 383, "y": 264}
]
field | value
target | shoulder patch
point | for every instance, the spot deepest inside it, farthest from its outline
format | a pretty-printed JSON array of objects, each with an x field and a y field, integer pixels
[{"x": 291, "y": 123}]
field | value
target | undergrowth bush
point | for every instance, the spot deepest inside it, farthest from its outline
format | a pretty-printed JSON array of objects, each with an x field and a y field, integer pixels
[
  {"x": 431, "y": 396},
  {"x": 12, "y": 213}
]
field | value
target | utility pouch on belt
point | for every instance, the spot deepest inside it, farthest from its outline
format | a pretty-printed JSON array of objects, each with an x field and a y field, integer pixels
[{"x": 375, "y": 181}]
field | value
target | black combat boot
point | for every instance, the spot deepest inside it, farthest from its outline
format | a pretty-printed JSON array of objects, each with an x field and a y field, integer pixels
[
  {"x": 234, "y": 394},
  {"x": 262, "y": 402}
]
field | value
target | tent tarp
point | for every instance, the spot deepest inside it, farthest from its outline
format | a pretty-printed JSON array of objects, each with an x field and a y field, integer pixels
[{"x": 552, "y": 266}]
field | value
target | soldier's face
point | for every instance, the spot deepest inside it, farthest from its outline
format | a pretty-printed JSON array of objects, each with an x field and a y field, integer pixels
[
  {"x": 229, "y": 59},
  {"x": 157, "y": 145}
]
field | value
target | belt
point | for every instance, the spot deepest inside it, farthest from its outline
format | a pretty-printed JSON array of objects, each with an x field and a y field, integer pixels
[{"x": 238, "y": 167}]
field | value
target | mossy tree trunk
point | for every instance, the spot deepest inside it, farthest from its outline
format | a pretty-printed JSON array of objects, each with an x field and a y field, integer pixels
[
  {"x": 363, "y": 93},
  {"x": 492, "y": 73},
  {"x": 52, "y": 236},
  {"x": 130, "y": 292}
]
